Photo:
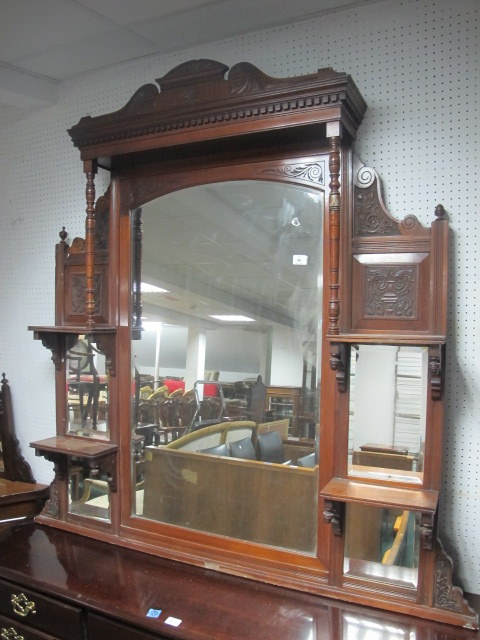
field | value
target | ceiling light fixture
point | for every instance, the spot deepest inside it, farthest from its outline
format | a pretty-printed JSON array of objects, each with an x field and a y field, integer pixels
[
  {"x": 151, "y": 288},
  {"x": 232, "y": 318}
]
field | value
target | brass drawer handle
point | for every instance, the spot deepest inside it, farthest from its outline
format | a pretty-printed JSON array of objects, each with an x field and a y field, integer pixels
[
  {"x": 22, "y": 606},
  {"x": 10, "y": 634}
]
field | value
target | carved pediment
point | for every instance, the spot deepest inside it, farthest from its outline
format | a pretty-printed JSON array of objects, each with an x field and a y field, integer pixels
[{"x": 202, "y": 93}]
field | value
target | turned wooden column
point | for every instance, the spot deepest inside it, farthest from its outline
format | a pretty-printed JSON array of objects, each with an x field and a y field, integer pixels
[
  {"x": 334, "y": 202},
  {"x": 90, "y": 169}
]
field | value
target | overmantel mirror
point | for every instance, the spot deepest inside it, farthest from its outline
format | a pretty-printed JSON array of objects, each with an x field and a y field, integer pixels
[{"x": 246, "y": 377}]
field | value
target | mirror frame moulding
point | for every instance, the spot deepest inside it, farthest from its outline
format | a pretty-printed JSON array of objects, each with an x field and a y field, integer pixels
[{"x": 199, "y": 105}]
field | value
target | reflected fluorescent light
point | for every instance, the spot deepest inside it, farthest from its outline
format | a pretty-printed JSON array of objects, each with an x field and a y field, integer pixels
[
  {"x": 145, "y": 287},
  {"x": 232, "y": 318}
]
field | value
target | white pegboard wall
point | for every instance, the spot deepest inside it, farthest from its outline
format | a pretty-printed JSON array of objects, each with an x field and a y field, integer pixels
[{"x": 416, "y": 62}]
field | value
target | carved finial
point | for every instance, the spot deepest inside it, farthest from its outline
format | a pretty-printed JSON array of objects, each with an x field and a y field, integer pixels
[
  {"x": 63, "y": 235},
  {"x": 4, "y": 379},
  {"x": 440, "y": 212}
]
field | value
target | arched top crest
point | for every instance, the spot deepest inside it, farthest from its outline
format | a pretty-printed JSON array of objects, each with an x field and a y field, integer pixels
[{"x": 207, "y": 99}]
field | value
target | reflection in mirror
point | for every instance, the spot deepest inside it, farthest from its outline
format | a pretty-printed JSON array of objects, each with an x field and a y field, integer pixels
[
  {"x": 382, "y": 543},
  {"x": 225, "y": 367},
  {"x": 89, "y": 493},
  {"x": 87, "y": 390},
  {"x": 388, "y": 396},
  {"x": 375, "y": 627}
]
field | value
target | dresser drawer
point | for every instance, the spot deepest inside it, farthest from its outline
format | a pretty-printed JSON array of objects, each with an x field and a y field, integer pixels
[
  {"x": 37, "y": 611},
  {"x": 13, "y": 630},
  {"x": 100, "y": 628}
]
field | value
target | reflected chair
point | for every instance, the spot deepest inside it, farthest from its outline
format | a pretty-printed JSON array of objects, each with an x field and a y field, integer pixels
[
  {"x": 243, "y": 449},
  {"x": 270, "y": 447},
  {"x": 219, "y": 450},
  {"x": 307, "y": 461},
  {"x": 85, "y": 382}
]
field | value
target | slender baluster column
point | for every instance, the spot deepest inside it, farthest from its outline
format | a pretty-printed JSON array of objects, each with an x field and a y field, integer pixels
[
  {"x": 334, "y": 227},
  {"x": 90, "y": 169}
]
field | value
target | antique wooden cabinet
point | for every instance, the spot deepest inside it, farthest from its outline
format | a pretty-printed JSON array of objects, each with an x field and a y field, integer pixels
[
  {"x": 20, "y": 496},
  {"x": 237, "y": 197}
]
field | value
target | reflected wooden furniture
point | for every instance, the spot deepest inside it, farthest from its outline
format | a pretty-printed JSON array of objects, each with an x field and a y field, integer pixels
[
  {"x": 213, "y": 435},
  {"x": 214, "y": 494},
  {"x": 284, "y": 402},
  {"x": 386, "y": 460},
  {"x": 20, "y": 496}
]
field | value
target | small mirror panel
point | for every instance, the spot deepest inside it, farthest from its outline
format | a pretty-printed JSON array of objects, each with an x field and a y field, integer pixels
[
  {"x": 87, "y": 390},
  {"x": 382, "y": 544},
  {"x": 89, "y": 492},
  {"x": 388, "y": 396}
]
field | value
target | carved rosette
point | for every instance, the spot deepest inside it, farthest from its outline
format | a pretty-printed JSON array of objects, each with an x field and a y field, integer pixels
[
  {"x": 333, "y": 514},
  {"x": 447, "y": 596},
  {"x": 391, "y": 291}
]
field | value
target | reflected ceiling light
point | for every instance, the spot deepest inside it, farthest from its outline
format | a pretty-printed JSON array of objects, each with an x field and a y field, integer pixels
[
  {"x": 151, "y": 288},
  {"x": 232, "y": 318}
]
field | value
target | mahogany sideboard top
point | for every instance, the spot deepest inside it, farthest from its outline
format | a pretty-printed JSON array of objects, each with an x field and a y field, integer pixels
[{"x": 120, "y": 591}]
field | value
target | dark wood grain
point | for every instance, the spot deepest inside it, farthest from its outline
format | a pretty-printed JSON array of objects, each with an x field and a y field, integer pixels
[{"x": 120, "y": 586}]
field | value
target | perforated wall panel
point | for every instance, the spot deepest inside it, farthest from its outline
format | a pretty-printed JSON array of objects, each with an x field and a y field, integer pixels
[{"x": 416, "y": 64}]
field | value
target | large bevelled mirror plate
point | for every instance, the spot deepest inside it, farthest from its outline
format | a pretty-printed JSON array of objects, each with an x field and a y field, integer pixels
[{"x": 225, "y": 367}]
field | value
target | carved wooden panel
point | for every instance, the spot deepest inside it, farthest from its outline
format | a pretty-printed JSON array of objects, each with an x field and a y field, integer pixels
[
  {"x": 389, "y": 290},
  {"x": 75, "y": 286},
  {"x": 370, "y": 216}
]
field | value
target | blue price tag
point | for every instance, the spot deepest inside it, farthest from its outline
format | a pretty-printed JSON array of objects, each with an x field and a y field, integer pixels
[{"x": 154, "y": 613}]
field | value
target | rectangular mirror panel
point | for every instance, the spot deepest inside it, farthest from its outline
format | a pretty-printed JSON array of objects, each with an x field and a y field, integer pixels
[
  {"x": 89, "y": 493},
  {"x": 387, "y": 423},
  {"x": 382, "y": 544},
  {"x": 87, "y": 390}
]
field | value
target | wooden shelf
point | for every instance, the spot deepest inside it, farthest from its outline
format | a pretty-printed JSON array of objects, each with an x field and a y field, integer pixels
[
  {"x": 345, "y": 490},
  {"x": 388, "y": 338},
  {"x": 76, "y": 447},
  {"x": 72, "y": 329}
]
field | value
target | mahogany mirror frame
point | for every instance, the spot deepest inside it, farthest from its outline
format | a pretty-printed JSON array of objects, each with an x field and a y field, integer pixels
[{"x": 205, "y": 123}]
